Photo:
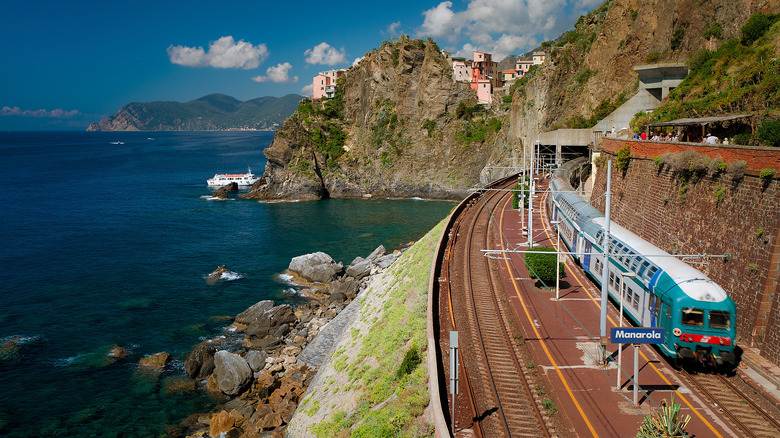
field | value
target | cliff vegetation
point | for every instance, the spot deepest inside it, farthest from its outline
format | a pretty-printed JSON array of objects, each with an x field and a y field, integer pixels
[{"x": 398, "y": 127}]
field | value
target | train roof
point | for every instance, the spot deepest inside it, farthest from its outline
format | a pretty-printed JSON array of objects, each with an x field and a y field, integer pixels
[{"x": 591, "y": 222}]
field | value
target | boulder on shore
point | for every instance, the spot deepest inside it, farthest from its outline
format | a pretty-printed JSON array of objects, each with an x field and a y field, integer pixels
[
  {"x": 254, "y": 312},
  {"x": 232, "y": 372},
  {"x": 316, "y": 267},
  {"x": 200, "y": 362}
]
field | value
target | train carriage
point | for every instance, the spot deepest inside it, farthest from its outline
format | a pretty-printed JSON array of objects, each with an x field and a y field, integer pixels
[{"x": 657, "y": 289}]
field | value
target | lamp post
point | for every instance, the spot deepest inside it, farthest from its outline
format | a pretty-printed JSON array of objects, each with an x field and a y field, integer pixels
[
  {"x": 623, "y": 276},
  {"x": 557, "y": 259}
]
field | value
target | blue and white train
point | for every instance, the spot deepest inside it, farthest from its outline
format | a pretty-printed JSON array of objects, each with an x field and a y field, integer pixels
[{"x": 698, "y": 316}]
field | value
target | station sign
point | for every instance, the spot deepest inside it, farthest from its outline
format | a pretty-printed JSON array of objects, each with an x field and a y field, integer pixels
[{"x": 637, "y": 335}]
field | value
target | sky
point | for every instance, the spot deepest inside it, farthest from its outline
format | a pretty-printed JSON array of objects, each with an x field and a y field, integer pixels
[{"x": 66, "y": 64}]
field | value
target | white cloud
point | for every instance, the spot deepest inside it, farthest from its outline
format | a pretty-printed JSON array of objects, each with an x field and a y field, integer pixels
[
  {"x": 501, "y": 27},
  {"x": 280, "y": 74},
  {"x": 357, "y": 61},
  {"x": 308, "y": 90},
  {"x": 222, "y": 53},
  {"x": 393, "y": 28},
  {"x": 439, "y": 21},
  {"x": 324, "y": 54},
  {"x": 55, "y": 113}
]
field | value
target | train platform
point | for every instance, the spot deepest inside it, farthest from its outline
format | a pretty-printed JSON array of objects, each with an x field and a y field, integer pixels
[{"x": 596, "y": 399}]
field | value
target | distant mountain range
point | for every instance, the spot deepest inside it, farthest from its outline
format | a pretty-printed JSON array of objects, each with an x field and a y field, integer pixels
[{"x": 215, "y": 112}]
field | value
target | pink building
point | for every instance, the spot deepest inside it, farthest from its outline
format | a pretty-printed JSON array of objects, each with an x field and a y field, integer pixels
[
  {"x": 484, "y": 90},
  {"x": 324, "y": 84},
  {"x": 522, "y": 67},
  {"x": 483, "y": 68}
]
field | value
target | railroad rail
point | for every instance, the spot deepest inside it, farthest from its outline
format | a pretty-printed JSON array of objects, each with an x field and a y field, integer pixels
[
  {"x": 500, "y": 401},
  {"x": 740, "y": 408}
]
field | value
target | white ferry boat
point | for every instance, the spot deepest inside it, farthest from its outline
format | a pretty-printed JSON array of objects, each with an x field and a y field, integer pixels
[{"x": 242, "y": 179}]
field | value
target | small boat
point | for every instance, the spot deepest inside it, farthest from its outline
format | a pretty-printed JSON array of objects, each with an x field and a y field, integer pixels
[
  {"x": 117, "y": 142},
  {"x": 242, "y": 179}
]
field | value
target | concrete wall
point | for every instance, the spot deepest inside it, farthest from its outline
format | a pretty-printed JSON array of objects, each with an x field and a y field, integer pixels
[{"x": 647, "y": 200}]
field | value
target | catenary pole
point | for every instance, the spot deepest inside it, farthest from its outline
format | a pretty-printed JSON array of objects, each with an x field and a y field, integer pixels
[{"x": 605, "y": 269}]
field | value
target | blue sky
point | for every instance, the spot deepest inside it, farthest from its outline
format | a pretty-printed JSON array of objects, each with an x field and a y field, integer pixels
[{"x": 69, "y": 63}]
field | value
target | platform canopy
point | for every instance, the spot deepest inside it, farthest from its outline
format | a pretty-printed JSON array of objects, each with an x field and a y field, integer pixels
[{"x": 700, "y": 121}]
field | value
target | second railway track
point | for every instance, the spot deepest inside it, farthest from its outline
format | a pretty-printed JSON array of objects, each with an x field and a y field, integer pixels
[{"x": 502, "y": 401}]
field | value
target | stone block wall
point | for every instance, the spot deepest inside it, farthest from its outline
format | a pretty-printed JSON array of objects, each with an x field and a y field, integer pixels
[{"x": 714, "y": 215}]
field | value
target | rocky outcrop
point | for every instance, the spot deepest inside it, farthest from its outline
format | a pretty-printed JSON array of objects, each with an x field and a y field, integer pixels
[
  {"x": 282, "y": 346},
  {"x": 401, "y": 136},
  {"x": 222, "y": 192}
]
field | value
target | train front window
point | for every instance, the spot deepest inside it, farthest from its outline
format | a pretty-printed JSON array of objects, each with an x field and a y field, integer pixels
[
  {"x": 720, "y": 319},
  {"x": 693, "y": 317}
]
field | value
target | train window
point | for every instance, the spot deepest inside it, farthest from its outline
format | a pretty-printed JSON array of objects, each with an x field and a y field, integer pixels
[
  {"x": 693, "y": 316},
  {"x": 635, "y": 300},
  {"x": 720, "y": 319}
]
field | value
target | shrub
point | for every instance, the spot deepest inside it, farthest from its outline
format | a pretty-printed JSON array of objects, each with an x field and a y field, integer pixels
[
  {"x": 677, "y": 38},
  {"x": 714, "y": 31},
  {"x": 541, "y": 264},
  {"x": 755, "y": 27},
  {"x": 769, "y": 132},
  {"x": 737, "y": 170},
  {"x": 430, "y": 125},
  {"x": 742, "y": 139},
  {"x": 411, "y": 360},
  {"x": 665, "y": 422},
  {"x": 517, "y": 190},
  {"x": 623, "y": 158},
  {"x": 766, "y": 174},
  {"x": 759, "y": 231}
]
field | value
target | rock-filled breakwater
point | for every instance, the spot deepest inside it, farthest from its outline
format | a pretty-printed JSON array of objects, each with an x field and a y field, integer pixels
[{"x": 260, "y": 380}]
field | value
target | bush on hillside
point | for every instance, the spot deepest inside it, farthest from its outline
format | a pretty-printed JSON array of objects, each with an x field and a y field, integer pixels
[
  {"x": 768, "y": 132},
  {"x": 755, "y": 27}
]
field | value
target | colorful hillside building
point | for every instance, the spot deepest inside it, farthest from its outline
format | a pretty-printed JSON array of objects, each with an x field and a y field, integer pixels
[{"x": 324, "y": 84}]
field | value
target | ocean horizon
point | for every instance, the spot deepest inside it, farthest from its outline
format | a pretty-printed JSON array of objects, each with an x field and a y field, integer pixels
[{"x": 108, "y": 239}]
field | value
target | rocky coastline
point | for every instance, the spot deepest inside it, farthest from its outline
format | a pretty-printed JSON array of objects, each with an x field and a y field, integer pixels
[{"x": 260, "y": 381}]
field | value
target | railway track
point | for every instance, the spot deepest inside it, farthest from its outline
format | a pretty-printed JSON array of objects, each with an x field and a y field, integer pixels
[
  {"x": 736, "y": 404},
  {"x": 502, "y": 403}
]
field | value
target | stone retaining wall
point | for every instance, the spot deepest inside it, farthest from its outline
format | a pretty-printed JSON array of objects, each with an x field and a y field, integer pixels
[{"x": 743, "y": 221}]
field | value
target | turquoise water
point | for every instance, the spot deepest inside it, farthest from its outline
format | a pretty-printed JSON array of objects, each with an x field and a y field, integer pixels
[{"x": 109, "y": 244}]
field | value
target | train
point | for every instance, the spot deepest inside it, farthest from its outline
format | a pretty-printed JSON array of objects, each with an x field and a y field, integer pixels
[{"x": 658, "y": 290}]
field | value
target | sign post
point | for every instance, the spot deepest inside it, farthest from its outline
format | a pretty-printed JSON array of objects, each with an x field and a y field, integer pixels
[
  {"x": 636, "y": 336},
  {"x": 453, "y": 373}
]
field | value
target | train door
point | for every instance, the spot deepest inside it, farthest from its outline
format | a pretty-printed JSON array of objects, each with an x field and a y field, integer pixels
[
  {"x": 665, "y": 320},
  {"x": 586, "y": 255}
]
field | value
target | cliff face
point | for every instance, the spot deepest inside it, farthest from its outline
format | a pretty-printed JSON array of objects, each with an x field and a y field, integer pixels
[
  {"x": 594, "y": 63},
  {"x": 400, "y": 128}
]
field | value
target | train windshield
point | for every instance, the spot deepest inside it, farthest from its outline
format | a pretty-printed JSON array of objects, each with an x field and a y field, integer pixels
[
  {"x": 720, "y": 319},
  {"x": 693, "y": 316}
]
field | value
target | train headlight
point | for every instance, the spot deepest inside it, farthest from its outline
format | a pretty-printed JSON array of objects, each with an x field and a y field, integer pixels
[{"x": 677, "y": 332}]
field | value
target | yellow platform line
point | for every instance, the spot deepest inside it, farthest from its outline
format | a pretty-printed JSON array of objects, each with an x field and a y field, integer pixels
[{"x": 539, "y": 336}]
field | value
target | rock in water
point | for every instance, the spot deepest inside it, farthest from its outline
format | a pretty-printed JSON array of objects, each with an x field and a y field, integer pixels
[
  {"x": 155, "y": 362},
  {"x": 220, "y": 273},
  {"x": 222, "y": 192},
  {"x": 200, "y": 362},
  {"x": 232, "y": 372}
]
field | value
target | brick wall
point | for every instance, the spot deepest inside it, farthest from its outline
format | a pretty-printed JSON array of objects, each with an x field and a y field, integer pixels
[{"x": 647, "y": 201}]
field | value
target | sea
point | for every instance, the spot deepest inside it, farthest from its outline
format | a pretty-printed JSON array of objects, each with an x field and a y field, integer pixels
[{"x": 107, "y": 239}]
